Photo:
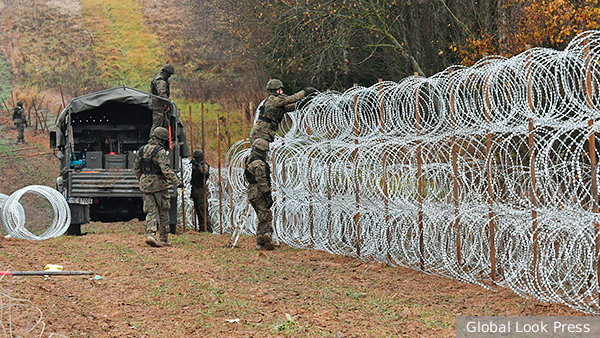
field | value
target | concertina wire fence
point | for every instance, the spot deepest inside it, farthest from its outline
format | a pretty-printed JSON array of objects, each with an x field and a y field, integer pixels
[{"x": 483, "y": 174}]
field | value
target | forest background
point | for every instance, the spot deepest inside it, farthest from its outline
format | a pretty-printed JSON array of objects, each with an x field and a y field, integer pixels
[{"x": 224, "y": 51}]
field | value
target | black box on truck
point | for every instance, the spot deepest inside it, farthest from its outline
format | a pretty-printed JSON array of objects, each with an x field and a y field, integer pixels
[{"x": 96, "y": 137}]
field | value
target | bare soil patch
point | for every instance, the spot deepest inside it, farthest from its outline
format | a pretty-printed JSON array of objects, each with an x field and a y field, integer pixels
[{"x": 193, "y": 288}]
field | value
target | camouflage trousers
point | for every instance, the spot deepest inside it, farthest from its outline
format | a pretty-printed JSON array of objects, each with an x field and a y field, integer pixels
[
  {"x": 21, "y": 129},
  {"x": 198, "y": 196},
  {"x": 159, "y": 118},
  {"x": 156, "y": 207},
  {"x": 263, "y": 213},
  {"x": 264, "y": 130}
]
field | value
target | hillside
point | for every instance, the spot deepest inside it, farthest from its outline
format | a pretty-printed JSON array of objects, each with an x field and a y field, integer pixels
[{"x": 83, "y": 46}]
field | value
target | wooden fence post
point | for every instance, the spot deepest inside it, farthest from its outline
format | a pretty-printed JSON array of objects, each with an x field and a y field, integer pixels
[
  {"x": 219, "y": 172},
  {"x": 356, "y": 187},
  {"x": 455, "y": 187},
  {"x": 251, "y": 115},
  {"x": 491, "y": 221},
  {"x": 384, "y": 181},
  {"x": 420, "y": 193},
  {"x": 182, "y": 197},
  {"x": 204, "y": 201},
  {"x": 230, "y": 188},
  {"x": 228, "y": 130},
  {"x": 310, "y": 202},
  {"x": 589, "y": 91},
  {"x": 192, "y": 136},
  {"x": 244, "y": 123}
]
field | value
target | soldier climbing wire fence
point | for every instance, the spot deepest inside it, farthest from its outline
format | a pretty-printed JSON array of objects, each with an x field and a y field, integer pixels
[{"x": 487, "y": 174}]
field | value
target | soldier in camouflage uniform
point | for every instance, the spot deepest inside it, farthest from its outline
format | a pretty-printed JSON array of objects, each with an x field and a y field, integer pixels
[
  {"x": 160, "y": 87},
  {"x": 274, "y": 108},
  {"x": 151, "y": 167},
  {"x": 258, "y": 175},
  {"x": 20, "y": 120},
  {"x": 200, "y": 194}
]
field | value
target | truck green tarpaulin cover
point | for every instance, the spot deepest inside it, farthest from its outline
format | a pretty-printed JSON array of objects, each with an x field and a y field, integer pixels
[{"x": 122, "y": 94}]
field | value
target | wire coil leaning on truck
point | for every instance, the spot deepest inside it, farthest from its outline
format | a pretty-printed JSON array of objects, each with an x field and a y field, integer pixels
[{"x": 13, "y": 214}]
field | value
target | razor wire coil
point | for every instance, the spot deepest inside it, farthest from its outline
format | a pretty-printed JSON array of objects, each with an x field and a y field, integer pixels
[
  {"x": 13, "y": 214},
  {"x": 482, "y": 173}
]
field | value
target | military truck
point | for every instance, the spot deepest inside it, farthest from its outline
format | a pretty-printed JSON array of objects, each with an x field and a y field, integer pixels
[{"x": 97, "y": 137}]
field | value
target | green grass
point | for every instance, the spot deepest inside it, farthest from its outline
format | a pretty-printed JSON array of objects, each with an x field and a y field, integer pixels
[
  {"x": 128, "y": 52},
  {"x": 6, "y": 85}
]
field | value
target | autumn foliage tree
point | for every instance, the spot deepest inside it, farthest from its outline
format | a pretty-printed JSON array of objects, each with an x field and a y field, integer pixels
[{"x": 336, "y": 43}]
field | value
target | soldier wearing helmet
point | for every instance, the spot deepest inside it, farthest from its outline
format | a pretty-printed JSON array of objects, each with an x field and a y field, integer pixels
[
  {"x": 274, "y": 108},
  {"x": 258, "y": 175},
  {"x": 160, "y": 86},
  {"x": 200, "y": 174},
  {"x": 151, "y": 167},
  {"x": 20, "y": 121}
]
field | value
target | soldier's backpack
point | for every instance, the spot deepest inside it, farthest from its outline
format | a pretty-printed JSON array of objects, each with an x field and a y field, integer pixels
[{"x": 147, "y": 164}]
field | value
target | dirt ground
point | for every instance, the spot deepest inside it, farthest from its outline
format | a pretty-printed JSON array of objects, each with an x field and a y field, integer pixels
[{"x": 202, "y": 288}]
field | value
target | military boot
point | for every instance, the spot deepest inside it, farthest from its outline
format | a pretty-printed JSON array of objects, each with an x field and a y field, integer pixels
[
  {"x": 268, "y": 244},
  {"x": 164, "y": 237},
  {"x": 260, "y": 243},
  {"x": 152, "y": 241},
  {"x": 264, "y": 242}
]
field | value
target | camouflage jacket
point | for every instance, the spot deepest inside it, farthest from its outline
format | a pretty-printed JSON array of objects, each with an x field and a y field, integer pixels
[
  {"x": 258, "y": 174},
  {"x": 19, "y": 115},
  {"x": 159, "y": 87},
  {"x": 276, "y": 105},
  {"x": 154, "y": 182},
  {"x": 200, "y": 174}
]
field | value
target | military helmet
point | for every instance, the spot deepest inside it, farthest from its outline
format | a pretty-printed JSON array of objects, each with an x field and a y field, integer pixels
[
  {"x": 169, "y": 68},
  {"x": 160, "y": 133},
  {"x": 260, "y": 144},
  {"x": 198, "y": 154},
  {"x": 20, "y": 103},
  {"x": 274, "y": 84}
]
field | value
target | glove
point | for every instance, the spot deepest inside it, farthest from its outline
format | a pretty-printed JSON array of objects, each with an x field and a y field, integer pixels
[{"x": 309, "y": 90}]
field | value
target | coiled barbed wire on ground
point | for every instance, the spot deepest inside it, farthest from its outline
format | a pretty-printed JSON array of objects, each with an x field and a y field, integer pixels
[
  {"x": 13, "y": 214},
  {"x": 482, "y": 173},
  {"x": 20, "y": 317}
]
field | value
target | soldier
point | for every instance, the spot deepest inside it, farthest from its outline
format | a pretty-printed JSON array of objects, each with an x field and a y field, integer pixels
[
  {"x": 200, "y": 174},
  {"x": 274, "y": 107},
  {"x": 151, "y": 167},
  {"x": 258, "y": 175},
  {"x": 160, "y": 87},
  {"x": 20, "y": 120}
]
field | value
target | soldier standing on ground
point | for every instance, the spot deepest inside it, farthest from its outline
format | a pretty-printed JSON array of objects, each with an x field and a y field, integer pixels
[
  {"x": 160, "y": 86},
  {"x": 258, "y": 175},
  {"x": 275, "y": 106},
  {"x": 151, "y": 167},
  {"x": 200, "y": 174},
  {"x": 20, "y": 120}
]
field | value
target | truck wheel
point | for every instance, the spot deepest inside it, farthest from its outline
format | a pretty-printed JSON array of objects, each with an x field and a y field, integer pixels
[{"x": 74, "y": 230}]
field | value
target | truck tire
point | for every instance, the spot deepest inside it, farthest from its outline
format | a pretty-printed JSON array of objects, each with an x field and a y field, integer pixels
[{"x": 74, "y": 230}]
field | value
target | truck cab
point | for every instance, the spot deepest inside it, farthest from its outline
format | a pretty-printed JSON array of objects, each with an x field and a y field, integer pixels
[{"x": 97, "y": 137}]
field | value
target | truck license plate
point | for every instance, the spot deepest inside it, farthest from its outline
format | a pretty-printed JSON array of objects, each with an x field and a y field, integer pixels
[{"x": 79, "y": 200}]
